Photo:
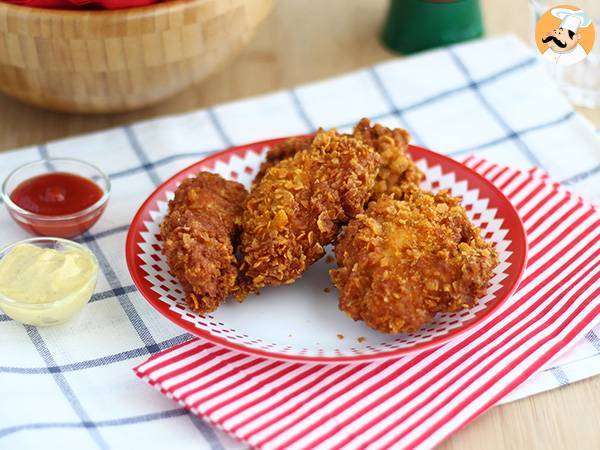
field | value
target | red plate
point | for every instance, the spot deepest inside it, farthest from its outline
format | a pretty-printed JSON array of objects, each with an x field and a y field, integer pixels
[{"x": 301, "y": 322}]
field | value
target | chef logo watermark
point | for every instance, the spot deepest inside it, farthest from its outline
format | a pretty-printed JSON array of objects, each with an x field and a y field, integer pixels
[{"x": 565, "y": 35}]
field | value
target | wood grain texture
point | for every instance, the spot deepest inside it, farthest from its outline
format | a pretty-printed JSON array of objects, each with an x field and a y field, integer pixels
[
  {"x": 111, "y": 61},
  {"x": 305, "y": 40}
]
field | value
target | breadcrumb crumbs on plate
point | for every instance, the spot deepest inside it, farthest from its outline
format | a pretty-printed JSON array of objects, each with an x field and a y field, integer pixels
[
  {"x": 340, "y": 336},
  {"x": 327, "y": 290},
  {"x": 361, "y": 339},
  {"x": 329, "y": 259}
]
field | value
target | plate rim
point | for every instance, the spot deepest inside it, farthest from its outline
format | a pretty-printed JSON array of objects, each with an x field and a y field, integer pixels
[{"x": 137, "y": 226}]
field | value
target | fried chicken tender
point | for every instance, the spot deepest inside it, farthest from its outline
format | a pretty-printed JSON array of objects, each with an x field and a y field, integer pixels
[
  {"x": 279, "y": 152},
  {"x": 398, "y": 174},
  {"x": 199, "y": 236},
  {"x": 299, "y": 206},
  {"x": 402, "y": 261}
]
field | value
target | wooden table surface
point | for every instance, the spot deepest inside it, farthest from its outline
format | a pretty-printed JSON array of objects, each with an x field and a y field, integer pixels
[{"x": 308, "y": 40}]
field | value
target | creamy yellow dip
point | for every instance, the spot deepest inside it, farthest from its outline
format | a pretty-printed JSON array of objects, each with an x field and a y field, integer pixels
[{"x": 44, "y": 286}]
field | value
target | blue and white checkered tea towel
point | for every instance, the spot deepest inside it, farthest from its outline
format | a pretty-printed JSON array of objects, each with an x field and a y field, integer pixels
[{"x": 72, "y": 387}]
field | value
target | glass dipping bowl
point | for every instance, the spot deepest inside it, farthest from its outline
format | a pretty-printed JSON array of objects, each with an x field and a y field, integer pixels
[
  {"x": 53, "y": 312},
  {"x": 65, "y": 226}
]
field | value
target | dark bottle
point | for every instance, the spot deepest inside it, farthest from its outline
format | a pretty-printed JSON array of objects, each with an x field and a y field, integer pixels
[{"x": 414, "y": 25}]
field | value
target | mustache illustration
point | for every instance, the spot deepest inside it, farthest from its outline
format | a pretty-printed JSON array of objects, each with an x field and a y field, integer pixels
[{"x": 556, "y": 41}]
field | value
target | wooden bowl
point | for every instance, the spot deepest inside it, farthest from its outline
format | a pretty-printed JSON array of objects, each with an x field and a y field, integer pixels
[{"x": 113, "y": 61}]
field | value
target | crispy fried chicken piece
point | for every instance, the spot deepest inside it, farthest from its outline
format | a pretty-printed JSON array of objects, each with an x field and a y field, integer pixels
[
  {"x": 199, "y": 235},
  {"x": 398, "y": 173},
  {"x": 299, "y": 206},
  {"x": 281, "y": 151},
  {"x": 402, "y": 261}
]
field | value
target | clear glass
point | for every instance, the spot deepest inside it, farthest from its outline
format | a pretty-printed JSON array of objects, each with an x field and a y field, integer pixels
[
  {"x": 65, "y": 226},
  {"x": 54, "y": 312},
  {"x": 580, "y": 81}
]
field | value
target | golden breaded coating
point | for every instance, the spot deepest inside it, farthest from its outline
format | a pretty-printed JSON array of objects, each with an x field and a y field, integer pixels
[
  {"x": 402, "y": 261},
  {"x": 199, "y": 235},
  {"x": 398, "y": 173},
  {"x": 299, "y": 206},
  {"x": 281, "y": 151}
]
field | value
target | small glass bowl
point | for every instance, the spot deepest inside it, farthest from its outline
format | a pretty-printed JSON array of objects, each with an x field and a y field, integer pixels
[
  {"x": 65, "y": 226},
  {"x": 57, "y": 311}
]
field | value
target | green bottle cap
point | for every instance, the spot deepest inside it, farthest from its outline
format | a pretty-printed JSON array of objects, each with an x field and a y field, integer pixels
[{"x": 415, "y": 25}]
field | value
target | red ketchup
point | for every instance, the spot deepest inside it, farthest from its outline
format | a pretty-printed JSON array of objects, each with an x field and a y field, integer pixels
[{"x": 58, "y": 202}]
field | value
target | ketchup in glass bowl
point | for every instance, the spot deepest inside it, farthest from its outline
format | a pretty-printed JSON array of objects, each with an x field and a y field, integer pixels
[{"x": 60, "y": 197}]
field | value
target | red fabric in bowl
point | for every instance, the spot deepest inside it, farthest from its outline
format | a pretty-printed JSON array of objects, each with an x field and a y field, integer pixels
[{"x": 83, "y": 4}]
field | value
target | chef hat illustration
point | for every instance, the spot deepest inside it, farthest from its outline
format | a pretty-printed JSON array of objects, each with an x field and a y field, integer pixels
[{"x": 572, "y": 20}]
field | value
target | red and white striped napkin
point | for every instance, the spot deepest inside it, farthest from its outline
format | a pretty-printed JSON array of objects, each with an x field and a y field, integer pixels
[{"x": 414, "y": 401}]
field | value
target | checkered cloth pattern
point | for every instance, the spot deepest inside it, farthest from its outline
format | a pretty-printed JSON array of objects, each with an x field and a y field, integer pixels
[{"x": 72, "y": 386}]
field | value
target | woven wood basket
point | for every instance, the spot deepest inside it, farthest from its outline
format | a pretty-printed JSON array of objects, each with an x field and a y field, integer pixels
[{"x": 113, "y": 61}]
